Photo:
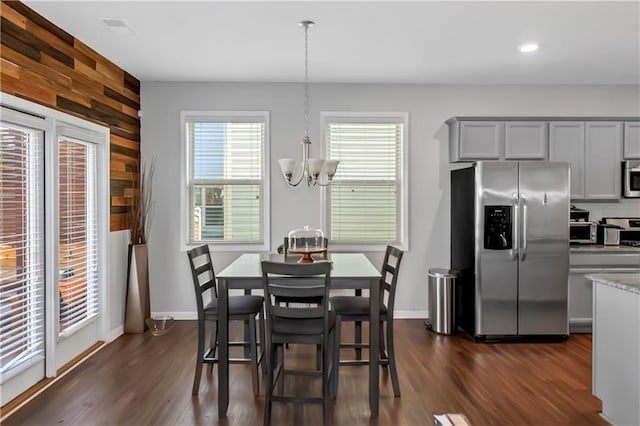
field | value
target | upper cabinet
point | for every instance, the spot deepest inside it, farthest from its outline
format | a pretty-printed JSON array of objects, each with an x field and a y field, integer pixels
[
  {"x": 593, "y": 151},
  {"x": 593, "y": 146},
  {"x": 478, "y": 140},
  {"x": 525, "y": 140},
  {"x": 631, "y": 147},
  {"x": 566, "y": 143},
  {"x": 602, "y": 160},
  {"x": 497, "y": 140}
]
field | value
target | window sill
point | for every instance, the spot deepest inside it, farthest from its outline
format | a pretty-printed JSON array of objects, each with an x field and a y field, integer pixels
[
  {"x": 73, "y": 329},
  {"x": 367, "y": 248},
  {"x": 229, "y": 247}
]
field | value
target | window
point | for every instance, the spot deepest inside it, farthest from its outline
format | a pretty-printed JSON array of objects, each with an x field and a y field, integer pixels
[
  {"x": 225, "y": 183},
  {"x": 77, "y": 250},
  {"x": 367, "y": 203}
]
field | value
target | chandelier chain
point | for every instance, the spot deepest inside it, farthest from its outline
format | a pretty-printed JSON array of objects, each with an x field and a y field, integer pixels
[{"x": 306, "y": 79}]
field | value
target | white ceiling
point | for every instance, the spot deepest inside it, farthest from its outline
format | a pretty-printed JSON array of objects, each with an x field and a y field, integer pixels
[{"x": 363, "y": 41}]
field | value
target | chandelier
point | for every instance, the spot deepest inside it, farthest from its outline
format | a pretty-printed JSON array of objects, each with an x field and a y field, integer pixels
[{"x": 315, "y": 171}]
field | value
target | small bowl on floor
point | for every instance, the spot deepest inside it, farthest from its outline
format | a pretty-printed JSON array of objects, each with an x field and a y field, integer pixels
[{"x": 159, "y": 325}]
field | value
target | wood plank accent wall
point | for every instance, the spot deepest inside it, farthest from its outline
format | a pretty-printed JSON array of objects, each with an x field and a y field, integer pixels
[{"x": 44, "y": 64}]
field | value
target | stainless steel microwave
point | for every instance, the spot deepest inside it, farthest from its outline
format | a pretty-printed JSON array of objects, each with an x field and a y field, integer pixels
[
  {"x": 631, "y": 179},
  {"x": 582, "y": 232}
]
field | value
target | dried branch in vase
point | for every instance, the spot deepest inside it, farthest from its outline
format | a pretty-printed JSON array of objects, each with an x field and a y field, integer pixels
[{"x": 140, "y": 213}]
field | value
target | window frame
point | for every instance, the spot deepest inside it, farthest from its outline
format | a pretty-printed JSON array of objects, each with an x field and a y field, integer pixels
[
  {"x": 402, "y": 118},
  {"x": 84, "y": 137},
  {"x": 185, "y": 180}
]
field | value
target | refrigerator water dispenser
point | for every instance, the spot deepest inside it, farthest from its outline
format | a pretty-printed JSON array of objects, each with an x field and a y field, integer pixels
[{"x": 497, "y": 228}]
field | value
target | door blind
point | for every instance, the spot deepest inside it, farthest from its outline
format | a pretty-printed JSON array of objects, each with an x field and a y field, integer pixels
[
  {"x": 364, "y": 198},
  {"x": 226, "y": 181},
  {"x": 78, "y": 265},
  {"x": 21, "y": 249}
]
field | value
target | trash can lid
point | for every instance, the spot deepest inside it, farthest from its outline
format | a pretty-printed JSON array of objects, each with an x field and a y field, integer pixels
[{"x": 442, "y": 272}]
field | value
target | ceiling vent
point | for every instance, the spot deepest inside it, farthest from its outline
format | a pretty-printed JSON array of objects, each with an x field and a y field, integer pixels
[{"x": 117, "y": 25}]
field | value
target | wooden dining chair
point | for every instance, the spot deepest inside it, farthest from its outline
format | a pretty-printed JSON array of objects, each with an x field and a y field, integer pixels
[
  {"x": 242, "y": 308},
  {"x": 289, "y": 257},
  {"x": 356, "y": 308},
  {"x": 299, "y": 324}
]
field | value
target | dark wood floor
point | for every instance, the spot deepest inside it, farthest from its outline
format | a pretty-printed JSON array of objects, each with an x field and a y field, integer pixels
[{"x": 146, "y": 380}]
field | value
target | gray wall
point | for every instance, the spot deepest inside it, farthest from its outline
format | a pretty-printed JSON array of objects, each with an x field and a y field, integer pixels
[{"x": 428, "y": 108}]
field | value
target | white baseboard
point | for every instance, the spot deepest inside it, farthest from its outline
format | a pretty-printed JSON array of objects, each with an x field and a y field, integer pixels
[
  {"x": 410, "y": 315},
  {"x": 115, "y": 333},
  {"x": 178, "y": 316},
  {"x": 182, "y": 316}
]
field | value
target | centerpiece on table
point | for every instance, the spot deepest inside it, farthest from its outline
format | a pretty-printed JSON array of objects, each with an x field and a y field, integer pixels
[{"x": 306, "y": 242}]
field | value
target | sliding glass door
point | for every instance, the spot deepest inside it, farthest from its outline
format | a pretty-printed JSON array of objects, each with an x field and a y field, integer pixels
[
  {"x": 78, "y": 289},
  {"x": 22, "y": 259},
  {"x": 52, "y": 244}
]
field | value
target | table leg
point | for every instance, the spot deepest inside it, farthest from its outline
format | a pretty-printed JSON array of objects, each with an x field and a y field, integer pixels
[
  {"x": 246, "y": 332},
  {"x": 374, "y": 349},
  {"x": 223, "y": 348}
]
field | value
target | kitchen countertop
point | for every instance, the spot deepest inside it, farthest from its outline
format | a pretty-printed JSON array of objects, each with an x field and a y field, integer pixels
[
  {"x": 623, "y": 281},
  {"x": 582, "y": 248}
]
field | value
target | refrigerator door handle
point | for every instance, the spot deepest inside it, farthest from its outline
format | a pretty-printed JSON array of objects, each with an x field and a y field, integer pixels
[
  {"x": 523, "y": 249},
  {"x": 515, "y": 238}
]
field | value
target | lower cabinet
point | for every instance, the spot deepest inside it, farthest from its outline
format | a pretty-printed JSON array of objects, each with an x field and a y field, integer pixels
[
  {"x": 581, "y": 300},
  {"x": 581, "y": 289}
]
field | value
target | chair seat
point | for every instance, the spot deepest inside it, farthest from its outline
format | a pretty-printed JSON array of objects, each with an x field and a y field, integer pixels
[
  {"x": 238, "y": 305},
  {"x": 353, "y": 305},
  {"x": 298, "y": 326}
]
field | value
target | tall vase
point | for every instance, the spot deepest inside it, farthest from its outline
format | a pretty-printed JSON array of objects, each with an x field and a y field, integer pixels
[{"x": 138, "y": 305}]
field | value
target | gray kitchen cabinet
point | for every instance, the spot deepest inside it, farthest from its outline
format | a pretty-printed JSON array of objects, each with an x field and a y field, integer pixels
[
  {"x": 593, "y": 152},
  {"x": 525, "y": 140},
  {"x": 476, "y": 140},
  {"x": 566, "y": 143},
  {"x": 594, "y": 260},
  {"x": 497, "y": 140},
  {"x": 602, "y": 160},
  {"x": 581, "y": 299},
  {"x": 631, "y": 145}
]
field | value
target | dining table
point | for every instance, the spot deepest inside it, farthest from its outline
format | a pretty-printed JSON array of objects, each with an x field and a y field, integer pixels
[{"x": 348, "y": 271}]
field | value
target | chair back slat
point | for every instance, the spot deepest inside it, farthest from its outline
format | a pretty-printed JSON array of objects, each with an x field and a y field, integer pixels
[
  {"x": 297, "y": 283},
  {"x": 282, "y": 288},
  {"x": 303, "y": 312},
  {"x": 389, "y": 272},
  {"x": 202, "y": 274}
]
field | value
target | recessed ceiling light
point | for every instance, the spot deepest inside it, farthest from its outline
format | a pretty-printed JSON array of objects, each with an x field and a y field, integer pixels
[
  {"x": 528, "y": 48},
  {"x": 117, "y": 25}
]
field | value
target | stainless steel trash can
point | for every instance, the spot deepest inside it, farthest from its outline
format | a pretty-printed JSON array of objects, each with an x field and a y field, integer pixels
[{"x": 441, "y": 291}]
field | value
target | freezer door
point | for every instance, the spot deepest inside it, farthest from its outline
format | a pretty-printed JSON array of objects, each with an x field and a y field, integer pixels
[
  {"x": 496, "y": 266},
  {"x": 544, "y": 249}
]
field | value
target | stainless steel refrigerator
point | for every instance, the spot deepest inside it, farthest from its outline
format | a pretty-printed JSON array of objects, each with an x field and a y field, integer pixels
[{"x": 510, "y": 244}]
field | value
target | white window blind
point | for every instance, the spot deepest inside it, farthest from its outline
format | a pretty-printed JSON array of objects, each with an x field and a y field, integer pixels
[
  {"x": 78, "y": 260},
  {"x": 21, "y": 249},
  {"x": 226, "y": 179},
  {"x": 364, "y": 200}
]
